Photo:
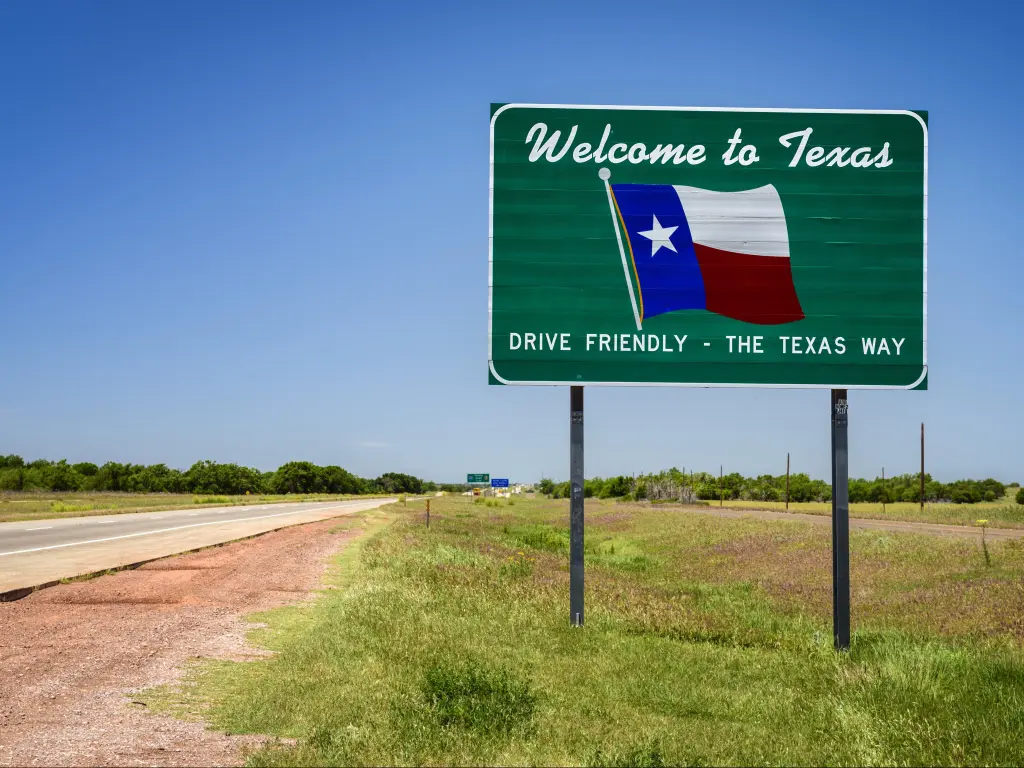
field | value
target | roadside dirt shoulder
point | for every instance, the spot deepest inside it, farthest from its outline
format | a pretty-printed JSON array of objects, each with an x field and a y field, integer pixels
[{"x": 73, "y": 655}]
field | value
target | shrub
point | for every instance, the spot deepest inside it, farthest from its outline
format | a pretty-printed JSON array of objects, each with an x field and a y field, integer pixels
[
  {"x": 60, "y": 506},
  {"x": 477, "y": 698},
  {"x": 545, "y": 537},
  {"x": 643, "y": 756},
  {"x": 1020, "y": 495}
]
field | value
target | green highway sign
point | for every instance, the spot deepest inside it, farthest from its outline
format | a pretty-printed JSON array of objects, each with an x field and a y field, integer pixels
[
  {"x": 708, "y": 247},
  {"x": 478, "y": 478}
]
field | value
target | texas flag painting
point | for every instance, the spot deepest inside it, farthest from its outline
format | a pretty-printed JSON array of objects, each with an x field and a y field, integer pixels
[{"x": 692, "y": 248}]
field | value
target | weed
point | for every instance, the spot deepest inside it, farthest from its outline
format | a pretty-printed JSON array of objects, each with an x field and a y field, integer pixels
[
  {"x": 543, "y": 537},
  {"x": 644, "y": 756},
  {"x": 517, "y": 566},
  {"x": 61, "y": 507},
  {"x": 211, "y": 500},
  {"x": 470, "y": 695}
]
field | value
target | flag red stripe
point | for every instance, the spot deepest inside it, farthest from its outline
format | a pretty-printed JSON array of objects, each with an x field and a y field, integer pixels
[{"x": 754, "y": 289}]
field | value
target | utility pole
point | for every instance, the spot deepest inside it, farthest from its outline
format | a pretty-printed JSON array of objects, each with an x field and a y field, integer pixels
[
  {"x": 787, "y": 482},
  {"x": 922, "y": 466},
  {"x": 721, "y": 485},
  {"x": 883, "y": 490}
]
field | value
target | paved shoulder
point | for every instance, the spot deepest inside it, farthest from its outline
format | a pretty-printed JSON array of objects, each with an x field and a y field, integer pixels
[{"x": 41, "y": 552}]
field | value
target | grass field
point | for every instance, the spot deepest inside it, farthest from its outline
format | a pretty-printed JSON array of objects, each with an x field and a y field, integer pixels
[
  {"x": 707, "y": 641},
  {"x": 46, "y": 506},
  {"x": 1004, "y": 513}
]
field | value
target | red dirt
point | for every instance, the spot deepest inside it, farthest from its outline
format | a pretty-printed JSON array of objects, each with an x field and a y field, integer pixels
[{"x": 72, "y": 655}]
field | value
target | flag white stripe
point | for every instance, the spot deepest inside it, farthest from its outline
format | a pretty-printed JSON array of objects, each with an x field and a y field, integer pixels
[{"x": 751, "y": 221}]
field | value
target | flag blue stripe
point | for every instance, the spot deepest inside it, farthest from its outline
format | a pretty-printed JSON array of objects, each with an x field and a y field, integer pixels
[{"x": 669, "y": 280}]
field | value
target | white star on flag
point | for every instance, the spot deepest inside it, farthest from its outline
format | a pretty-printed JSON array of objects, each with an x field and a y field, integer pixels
[{"x": 660, "y": 237}]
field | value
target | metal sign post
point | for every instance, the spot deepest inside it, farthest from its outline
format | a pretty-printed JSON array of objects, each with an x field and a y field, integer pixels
[
  {"x": 576, "y": 506},
  {"x": 840, "y": 522}
]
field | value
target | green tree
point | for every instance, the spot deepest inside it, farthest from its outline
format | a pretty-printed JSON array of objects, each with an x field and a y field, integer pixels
[
  {"x": 617, "y": 487},
  {"x": 86, "y": 468},
  {"x": 297, "y": 477},
  {"x": 337, "y": 480},
  {"x": 397, "y": 482},
  {"x": 61, "y": 477},
  {"x": 11, "y": 462},
  {"x": 211, "y": 477},
  {"x": 11, "y": 479}
]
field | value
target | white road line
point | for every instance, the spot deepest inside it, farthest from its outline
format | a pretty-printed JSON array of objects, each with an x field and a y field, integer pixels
[
  {"x": 105, "y": 522},
  {"x": 165, "y": 530},
  {"x": 193, "y": 514},
  {"x": 44, "y": 528}
]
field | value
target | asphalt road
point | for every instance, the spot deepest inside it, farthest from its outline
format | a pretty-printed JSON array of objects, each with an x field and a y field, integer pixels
[{"x": 37, "y": 552}]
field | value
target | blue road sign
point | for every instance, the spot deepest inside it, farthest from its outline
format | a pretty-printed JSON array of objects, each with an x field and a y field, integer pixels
[{"x": 499, "y": 482}]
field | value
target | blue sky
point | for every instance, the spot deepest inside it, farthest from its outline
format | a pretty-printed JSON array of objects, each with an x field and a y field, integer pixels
[{"x": 257, "y": 232}]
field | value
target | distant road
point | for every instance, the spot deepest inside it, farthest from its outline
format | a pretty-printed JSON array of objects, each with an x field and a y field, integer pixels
[{"x": 38, "y": 552}]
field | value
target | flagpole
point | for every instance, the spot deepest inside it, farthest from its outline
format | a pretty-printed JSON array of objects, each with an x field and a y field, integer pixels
[{"x": 606, "y": 174}]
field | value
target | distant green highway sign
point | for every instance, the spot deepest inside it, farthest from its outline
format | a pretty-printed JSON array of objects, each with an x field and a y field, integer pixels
[
  {"x": 708, "y": 247},
  {"x": 478, "y": 478}
]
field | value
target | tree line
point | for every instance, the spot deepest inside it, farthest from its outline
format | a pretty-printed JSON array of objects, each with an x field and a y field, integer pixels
[
  {"x": 673, "y": 484},
  {"x": 204, "y": 477}
]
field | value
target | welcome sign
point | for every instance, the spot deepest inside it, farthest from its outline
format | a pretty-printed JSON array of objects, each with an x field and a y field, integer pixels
[{"x": 708, "y": 247}]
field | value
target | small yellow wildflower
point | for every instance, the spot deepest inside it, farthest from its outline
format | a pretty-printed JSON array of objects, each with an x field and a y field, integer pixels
[{"x": 981, "y": 522}]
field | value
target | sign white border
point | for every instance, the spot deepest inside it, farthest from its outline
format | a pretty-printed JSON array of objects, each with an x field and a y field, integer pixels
[{"x": 490, "y": 250}]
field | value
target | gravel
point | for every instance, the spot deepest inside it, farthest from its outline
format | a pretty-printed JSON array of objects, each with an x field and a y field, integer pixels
[{"x": 73, "y": 655}]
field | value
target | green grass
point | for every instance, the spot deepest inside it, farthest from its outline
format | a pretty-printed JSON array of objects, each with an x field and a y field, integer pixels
[
  {"x": 1003, "y": 513},
  {"x": 707, "y": 641},
  {"x": 30, "y": 505}
]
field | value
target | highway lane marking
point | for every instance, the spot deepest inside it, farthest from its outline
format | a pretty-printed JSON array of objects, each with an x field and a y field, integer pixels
[
  {"x": 44, "y": 528},
  {"x": 105, "y": 522},
  {"x": 176, "y": 528}
]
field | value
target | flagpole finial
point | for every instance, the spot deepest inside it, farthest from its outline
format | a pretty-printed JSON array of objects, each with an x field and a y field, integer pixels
[{"x": 604, "y": 174}]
